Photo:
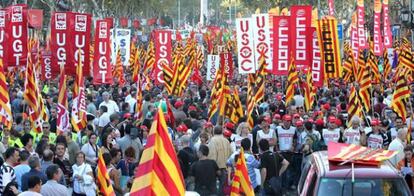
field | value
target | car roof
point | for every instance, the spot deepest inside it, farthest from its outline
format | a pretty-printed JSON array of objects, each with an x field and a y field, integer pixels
[{"x": 330, "y": 170}]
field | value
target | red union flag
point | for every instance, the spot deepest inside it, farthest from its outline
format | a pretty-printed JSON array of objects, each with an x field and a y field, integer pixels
[
  {"x": 79, "y": 40},
  {"x": 387, "y": 29},
  {"x": 316, "y": 56},
  {"x": 102, "y": 69},
  {"x": 163, "y": 51},
  {"x": 300, "y": 20},
  {"x": 377, "y": 28},
  {"x": 354, "y": 37},
  {"x": 362, "y": 41},
  {"x": 47, "y": 70},
  {"x": 16, "y": 35},
  {"x": 281, "y": 45},
  {"x": 261, "y": 40},
  {"x": 59, "y": 39},
  {"x": 2, "y": 32},
  {"x": 245, "y": 46},
  {"x": 226, "y": 60}
]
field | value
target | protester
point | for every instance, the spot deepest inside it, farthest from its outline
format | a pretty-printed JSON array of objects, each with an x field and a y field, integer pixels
[
  {"x": 90, "y": 150},
  {"x": 52, "y": 187},
  {"x": 406, "y": 166},
  {"x": 7, "y": 173},
  {"x": 22, "y": 168},
  {"x": 82, "y": 177},
  {"x": 35, "y": 170},
  {"x": 63, "y": 164},
  {"x": 398, "y": 144},
  {"x": 205, "y": 172},
  {"x": 34, "y": 185}
]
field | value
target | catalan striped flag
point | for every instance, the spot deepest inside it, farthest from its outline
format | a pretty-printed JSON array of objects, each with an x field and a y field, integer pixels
[
  {"x": 361, "y": 64},
  {"x": 6, "y": 117},
  {"x": 260, "y": 80},
  {"x": 406, "y": 58},
  {"x": 308, "y": 92},
  {"x": 104, "y": 182},
  {"x": 149, "y": 61},
  {"x": 233, "y": 108},
  {"x": 354, "y": 106},
  {"x": 159, "y": 172},
  {"x": 241, "y": 181},
  {"x": 118, "y": 72},
  {"x": 348, "y": 66},
  {"x": 400, "y": 97},
  {"x": 386, "y": 65},
  {"x": 373, "y": 64},
  {"x": 365, "y": 87},
  {"x": 293, "y": 79},
  {"x": 250, "y": 99},
  {"x": 78, "y": 113},
  {"x": 62, "y": 121},
  {"x": 133, "y": 53},
  {"x": 138, "y": 105},
  {"x": 184, "y": 70},
  {"x": 136, "y": 65},
  {"x": 33, "y": 97}
]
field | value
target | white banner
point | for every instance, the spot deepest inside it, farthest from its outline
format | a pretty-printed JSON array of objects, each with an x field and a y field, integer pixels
[
  {"x": 245, "y": 46},
  {"x": 261, "y": 42},
  {"x": 123, "y": 44},
  {"x": 213, "y": 63}
]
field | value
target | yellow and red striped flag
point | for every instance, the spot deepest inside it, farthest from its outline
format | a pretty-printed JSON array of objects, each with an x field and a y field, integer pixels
[
  {"x": 400, "y": 97},
  {"x": 359, "y": 68},
  {"x": 104, "y": 182},
  {"x": 118, "y": 72},
  {"x": 348, "y": 66},
  {"x": 250, "y": 99},
  {"x": 6, "y": 117},
  {"x": 260, "y": 80},
  {"x": 405, "y": 58},
  {"x": 216, "y": 92},
  {"x": 308, "y": 92},
  {"x": 241, "y": 180},
  {"x": 387, "y": 65},
  {"x": 327, "y": 30},
  {"x": 33, "y": 98},
  {"x": 354, "y": 106},
  {"x": 159, "y": 172},
  {"x": 136, "y": 65},
  {"x": 149, "y": 57},
  {"x": 78, "y": 112},
  {"x": 62, "y": 121},
  {"x": 373, "y": 64},
  {"x": 138, "y": 104},
  {"x": 292, "y": 80},
  {"x": 365, "y": 87}
]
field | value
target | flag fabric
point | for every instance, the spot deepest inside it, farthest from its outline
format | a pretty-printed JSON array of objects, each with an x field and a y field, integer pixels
[
  {"x": 260, "y": 80},
  {"x": 159, "y": 172},
  {"x": 365, "y": 87},
  {"x": 361, "y": 63},
  {"x": 292, "y": 80},
  {"x": 348, "y": 66},
  {"x": 216, "y": 93},
  {"x": 118, "y": 72},
  {"x": 104, "y": 182},
  {"x": 138, "y": 105},
  {"x": 354, "y": 106},
  {"x": 170, "y": 113},
  {"x": 400, "y": 97},
  {"x": 233, "y": 109},
  {"x": 136, "y": 65},
  {"x": 250, "y": 99},
  {"x": 149, "y": 61},
  {"x": 387, "y": 66},
  {"x": 184, "y": 69},
  {"x": 241, "y": 180},
  {"x": 340, "y": 152},
  {"x": 308, "y": 92},
  {"x": 78, "y": 113},
  {"x": 405, "y": 58},
  {"x": 6, "y": 117},
  {"x": 33, "y": 98},
  {"x": 62, "y": 121},
  {"x": 373, "y": 64}
]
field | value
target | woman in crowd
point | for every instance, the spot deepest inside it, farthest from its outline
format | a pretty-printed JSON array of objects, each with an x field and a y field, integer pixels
[
  {"x": 107, "y": 142},
  {"x": 83, "y": 182},
  {"x": 91, "y": 150},
  {"x": 242, "y": 131}
]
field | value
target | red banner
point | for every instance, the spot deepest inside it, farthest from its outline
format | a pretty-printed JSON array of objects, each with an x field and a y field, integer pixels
[
  {"x": 377, "y": 28},
  {"x": 35, "y": 18},
  {"x": 163, "y": 52},
  {"x": 316, "y": 56},
  {"x": 102, "y": 70},
  {"x": 331, "y": 7},
  {"x": 354, "y": 37},
  {"x": 281, "y": 45},
  {"x": 362, "y": 41},
  {"x": 387, "y": 26},
  {"x": 300, "y": 20},
  {"x": 16, "y": 36},
  {"x": 226, "y": 59},
  {"x": 59, "y": 37},
  {"x": 2, "y": 32},
  {"x": 78, "y": 41},
  {"x": 47, "y": 70}
]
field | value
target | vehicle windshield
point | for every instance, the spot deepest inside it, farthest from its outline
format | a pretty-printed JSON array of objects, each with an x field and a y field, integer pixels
[{"x": 365, "y": 187}]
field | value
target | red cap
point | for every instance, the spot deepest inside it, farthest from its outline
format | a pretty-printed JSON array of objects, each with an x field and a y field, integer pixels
[
  {"x": 299, "y": 123},
  {"x": 287, "y": 117},
  {"x": 229, "y": 125},
  {"x": 127, "y": 115},
  {"x": 319, "y": 122},
  {"x": 143, "y": 127},
  {"x": 208, "y": 124},
  {"x": 278, "y": 84},
  {"x": 332, "y": 119},
  {"x": 227, "y": 133},
  {"x": 276, "y": 116},
  {"x": 375, "y": 122},
  {"x": 178, "y": 104},
  {"x": 182, "y": 128},
  {"x": 338, "y": 122},
  {"x": 267, "y": 119},
  {"x": 192, "y": 108},
  {"x": 296, "y": 116},
  {"x": 326, "y": 106},
  {"x": 279, "y": 97},
  {"x": 311, "y": 120}
]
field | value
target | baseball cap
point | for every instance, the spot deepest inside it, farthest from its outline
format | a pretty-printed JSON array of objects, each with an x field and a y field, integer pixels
[
  {"x": 375, "y": 122},
  {"x": 276, "y": 116},
  {"x": 178, "y": 104},
  {"x": 299, "y": 123},
  {"x": 287, "y": 117},
  {"x": 332, "y": 119},
  {"x": 182, "y": 128}
]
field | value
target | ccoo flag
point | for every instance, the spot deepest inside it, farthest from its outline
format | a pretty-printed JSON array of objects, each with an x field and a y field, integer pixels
[
  {"x": 329, "y": 42},
  {"x": 159, "y": 172}
]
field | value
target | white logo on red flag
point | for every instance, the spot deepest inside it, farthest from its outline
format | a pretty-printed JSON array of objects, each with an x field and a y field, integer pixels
[
  {"x": 317, "y": 68},
  {"x": 301, "y": 20},
  {"x": 2, "y": 18},
  {"x": 80, "y": 23},
  {"x": 163, "y": 52},
  {"x": 281, "y": 44},
  {"x": 245, "y": 46},
  {"x": 17, "y": 14},
  {"x": 60, "y": 21}
]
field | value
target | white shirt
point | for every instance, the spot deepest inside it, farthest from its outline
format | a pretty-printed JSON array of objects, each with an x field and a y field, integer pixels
[
  {"x": 270, "y": 135},
  {"x": 81, "y": 170},
  {"x": 90, "y": 152},
  {"x": 397, "y": 145},
  {"x": 30, "y": 193},
  {"x": 285, "y": 137},
  {"x": 111, "y": 105},
  {"x": 304, "y": 135},
  {"x": 331, "y": 136},
  {"x": 131, "y": 102},
  {"x": 299, "y": 100},
  {"x": 352, "y": 136},
  {"x": 104, "y": 119}
]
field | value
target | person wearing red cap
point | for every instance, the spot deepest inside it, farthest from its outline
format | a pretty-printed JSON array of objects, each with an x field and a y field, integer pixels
[
  {"x": 376, "y": 139},
  {"x": 266, "y": 132},
  {"x": 332, "y": 133},
  {"x": 354, "y": 134},
  {"x": 277, "y": 119},
  {"x": 179, "y": 114}
]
